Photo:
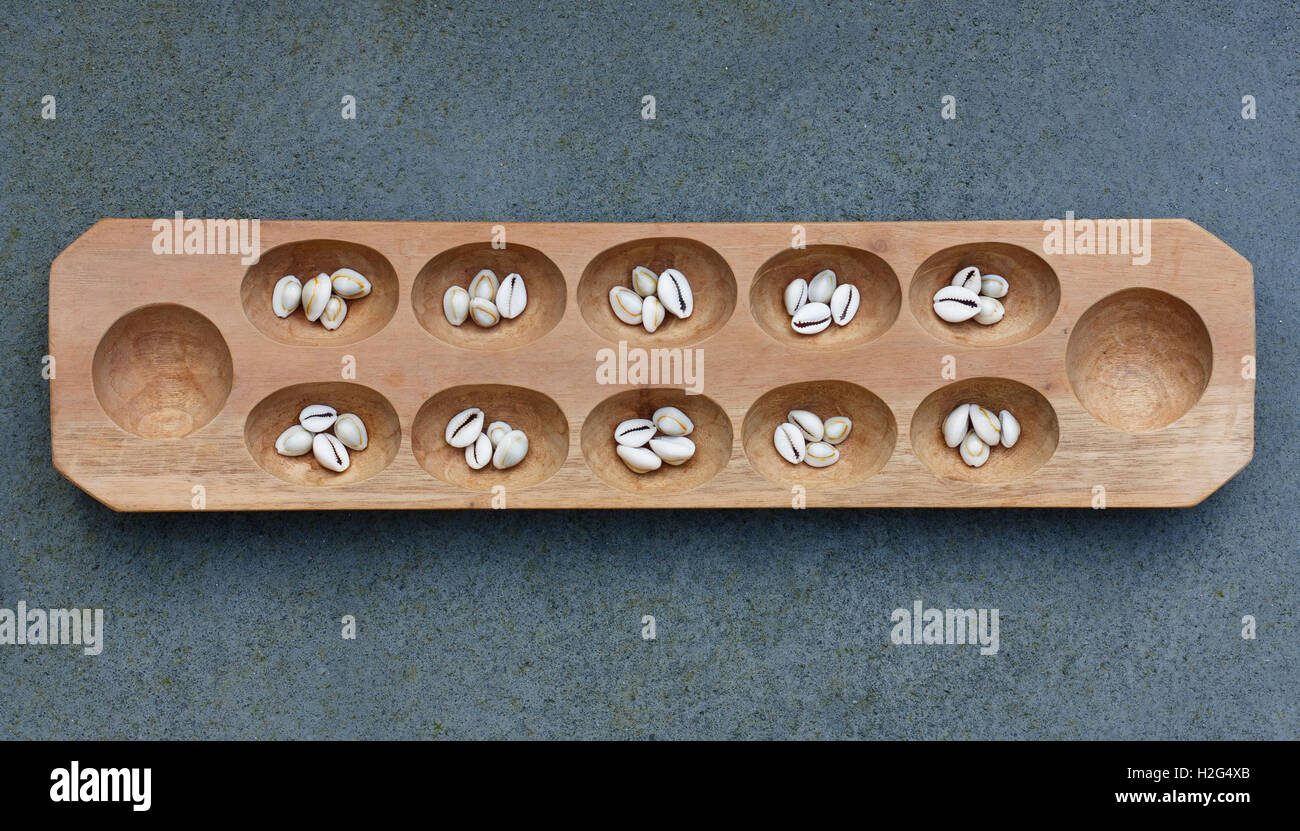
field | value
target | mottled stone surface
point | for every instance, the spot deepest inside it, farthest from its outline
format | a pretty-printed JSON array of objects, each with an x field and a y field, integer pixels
[{"x": 771, "y": 624}]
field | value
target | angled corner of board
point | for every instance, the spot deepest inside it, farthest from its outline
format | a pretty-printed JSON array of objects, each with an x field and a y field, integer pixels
[
  {"x": 1233, "y": 253},
  {"x": 102, "y": 498}
]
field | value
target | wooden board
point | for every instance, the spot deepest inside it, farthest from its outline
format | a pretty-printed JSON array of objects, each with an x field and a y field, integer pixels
[{"x": 172, "y": 377}]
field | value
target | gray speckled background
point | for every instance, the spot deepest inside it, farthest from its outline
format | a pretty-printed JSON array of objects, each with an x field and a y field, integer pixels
[{"x": 771, "y": 624}]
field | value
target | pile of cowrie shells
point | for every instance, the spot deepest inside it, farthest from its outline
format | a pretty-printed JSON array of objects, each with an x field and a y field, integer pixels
[
  {"x": 497, "y": 443},
  {"x": 646, "y": 444},
  {"x": 331, "y": 450},
  {"x": 975, "y": 431},
  {"x": 487, "y": 300},
  {"x": 972, "y": 296},
  {"x": 323, "y": 298},
  {"x": 813, "y": 305},
  {"x": 805, "y": 438},
  {"x": 652, "y": 298}
]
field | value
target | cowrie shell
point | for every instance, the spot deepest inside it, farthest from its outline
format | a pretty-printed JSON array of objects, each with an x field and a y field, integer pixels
[
  {"x": 644, "y": 281},
  {"x": 330, "y": 452},
  {"x": 464, "y": 427},
  {"x": 796, "y": 294},
  {"x": 484, "y": 312},
  {"x": 317, "y": 417},
  {"x": 634, "y": 432},
  {"x": 821, "y": 454},
  {"x": 974, "y": 451},
  {"x": 286, "y": 296},
  {"x": 836, "y": 429},
  {"x": 994, "y": 285},
  {"x": 336, "y": 309},
  {"x": 652, "y": 313},
  {"x": 822, "y": 287},
  {"x": 484, "y": 284},
  {"x": 626, "y": 304},
  {"x": 496, "y": 431},
  {"x": 808, "y": 423},
  {"x": 968, "y": 278},
  {"x": 674, "y": 450},
  {"x": 455, "y": 305},
  {"x": 351, "y": 431},
  {"x": 511, "y": 450},
  {"x": 512, "y": 297},
  {"x": 844, "y": 303},
  {"x": 479, "y": 453},
  {"x": 1010, "y": 429},
  {"x": 986, "y": 425},
  {"x": 675, "y": 293},
  {"x": 639, "y": 459},
  {"x": 315, "y": 294},
  {"x": 296, "y": 441},
  {"x": 349, "y": 284},
  {"x": 790, "y": 443},
  {"x": 991, "y": 311},
  {"x": 956, "y": 425},
  {"x": 955, "y": 304},
  {"x": 811, "y": 318},
  {"x": 672, "y": 422}
]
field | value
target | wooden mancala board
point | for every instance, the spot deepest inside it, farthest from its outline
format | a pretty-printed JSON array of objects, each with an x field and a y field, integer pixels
[{"x": 173, "y": 376}]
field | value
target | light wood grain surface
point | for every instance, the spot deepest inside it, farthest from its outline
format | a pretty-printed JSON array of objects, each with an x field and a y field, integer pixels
[{"x": 1148, "y": 401}]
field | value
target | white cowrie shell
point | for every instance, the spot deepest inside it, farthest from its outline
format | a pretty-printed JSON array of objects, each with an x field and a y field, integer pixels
[
  {"x": 675, "y": 293},
  {"x": 652, "y": 314},
  {"x": 844, "y": 303},
  {"x": 634, "y": 432},
  {"x": 808, "y": 423},
  {"x": 790, "y": 443},
  {"x": 991, "y": 311},
  {"x": 330, "y": 452},
  {"x": 464, "y": 427},
  {"x": 644, "y": 281},
  {"x": 821, "y": 454},
  {"x": 315, "y": 294},
  {"x": 1010, "y": 429},
  {"x": 811, "y": 318},
  {"x": 455, "y": 305},
  {"x": 349, "y": 284},
  {"x": 496, "y": 431},
  {"x": 974, "y": 451},
  {"x": 484, "y": 284},
  {"x": 335, "y": 311},
  {"x": 672, "y": 422},
  {"x": 674, "y": 450},
  {"x": 994, "y": 285},
  {"x": 986, "y": 425},
  {"x": 512, "y": 297},
  {"x": 796, "y": 294},
  {"x": 511, "y": 451},
  {"x": 484, "y": 312},
  {"x": 478, "y": 454},
  {"x": 822, "y": 287},
  {"x": 296, "y": 441},
  {"x": 626, "y": 304},
  {"x": 286, "y": 296},
  {"x": 955, "y": 304},
  {"x": 317, "y": 417},
  {"x": 639, "y": 459},
  {"x": 956, "y": 425},
  {"x": 836, "y": 429},
  {"x": 351, "y": 431},
  {"x": 968, "y": 278}
]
